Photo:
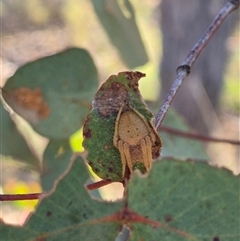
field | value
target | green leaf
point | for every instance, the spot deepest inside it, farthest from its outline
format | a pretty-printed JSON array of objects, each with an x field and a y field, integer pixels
[
  {"x": 102, "y": 156},
  {"x": 68, "y": 214},
  {"x": 187, "y": 201},
  {"x": 99, "y": 128},
  {"x": 56, "y": 159},
  {"x": 54, "y": 93},
  {"x": 177, "y": 201},
  {"x": 12, "y": 142},
  {"x": 178, "y": 147},
  {"x": 122, "y": 30}
]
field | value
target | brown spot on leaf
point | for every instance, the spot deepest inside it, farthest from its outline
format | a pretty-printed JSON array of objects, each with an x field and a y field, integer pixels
[
  {"x": 216, "y": 239},
  {"x": 133, "y": 78},
  {"x": 32, "y": 99},
  {"x": 41, "y": 238},
  {"x": 109, "y": 99},
  {"x": 133, "y": 75},
  {"x": 49, "y": 214},
  {"x": 87, "y": 133},
  {"x": 168, "y": 218}
]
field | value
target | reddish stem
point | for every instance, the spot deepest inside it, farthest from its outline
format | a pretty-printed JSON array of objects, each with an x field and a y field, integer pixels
[
  {"x": 127, "y": 216},
  {"x": 98, "y": 184},
  {"x": 197, "y": 136},
  {"x": 33, "y": 196},
  {"x": 18, "y": 197}
]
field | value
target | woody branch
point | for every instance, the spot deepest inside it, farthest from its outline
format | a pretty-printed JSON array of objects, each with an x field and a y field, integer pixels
[{"x": 184, "y": 69}]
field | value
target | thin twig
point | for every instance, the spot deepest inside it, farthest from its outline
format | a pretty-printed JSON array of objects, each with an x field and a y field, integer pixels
[
  {"x": 184, "y": 69},
  {"x": 19, "y": 197},
  {"x": 96, "y": 185},
  {"x": 199, "y": 137}
]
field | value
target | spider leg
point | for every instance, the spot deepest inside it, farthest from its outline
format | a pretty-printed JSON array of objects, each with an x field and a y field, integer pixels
[
  {"x": 123, "y": 158},
  {"x": 116, "y": 136},
  {"x": 149, "y": 151},
  {"x": 144, "y": 153},
  {"x": 146, "y": 146},
  {"x": 128, "y": 156}
]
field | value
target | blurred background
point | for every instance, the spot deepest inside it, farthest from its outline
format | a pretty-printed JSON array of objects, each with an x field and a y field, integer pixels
[{"x": 208, "y": 100}]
